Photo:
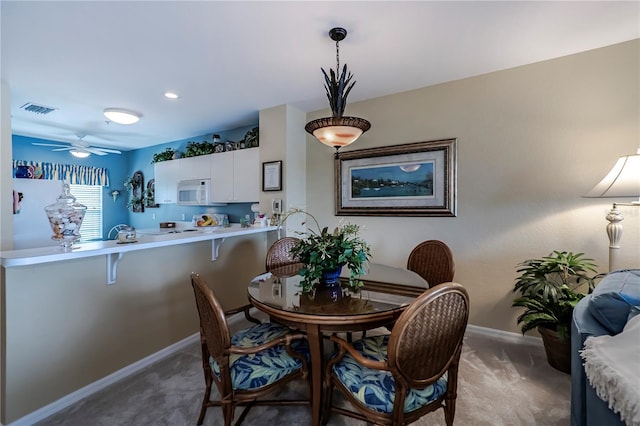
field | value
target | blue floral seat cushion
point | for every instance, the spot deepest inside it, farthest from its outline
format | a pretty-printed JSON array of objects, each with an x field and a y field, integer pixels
[
  {"x": 376, "y": 389},
  {"x": 257, "y": 370}
]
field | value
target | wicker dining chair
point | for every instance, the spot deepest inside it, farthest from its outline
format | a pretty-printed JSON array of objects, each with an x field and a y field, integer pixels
[
  {"x": 433, "y": 261},
  {"x": 279, "y": 257},
  {"x": 397, "y": 378},
  {"x": 249, "y": 364}
]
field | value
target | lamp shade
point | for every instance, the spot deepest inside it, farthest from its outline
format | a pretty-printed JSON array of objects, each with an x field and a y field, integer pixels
[{"x": 622, "y": 181}]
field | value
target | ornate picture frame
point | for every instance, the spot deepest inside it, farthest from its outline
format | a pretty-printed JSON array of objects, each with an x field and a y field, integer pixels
[{"x": 415, "y": 179}]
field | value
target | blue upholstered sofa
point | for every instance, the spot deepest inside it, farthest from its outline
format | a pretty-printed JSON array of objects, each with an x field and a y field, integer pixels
[{"x": 605, "y": 311}]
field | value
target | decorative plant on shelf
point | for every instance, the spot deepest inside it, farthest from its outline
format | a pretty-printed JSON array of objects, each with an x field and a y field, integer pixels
[
  {"x": 322, "y": 251},
  {"x": 251, "y": 139},
  {"x": 167, "y": 154},
  {"x": 549, "y": 289},
  {"x": 199, "y": 148}
]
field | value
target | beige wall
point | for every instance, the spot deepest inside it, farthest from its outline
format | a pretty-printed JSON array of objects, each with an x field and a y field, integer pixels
[
  {"x": 282, "y": 137},
  {"x": 531, "y": 141},
  {"x": 66, "y": 328}
]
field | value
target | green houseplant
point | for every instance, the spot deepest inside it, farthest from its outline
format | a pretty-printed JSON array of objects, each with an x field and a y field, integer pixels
[
  {"x": 199, "y": 148},
  {"x": 166, "y": 155},
  {"x": 324, "y": 252},
  {"x": 550, "y": 287}
]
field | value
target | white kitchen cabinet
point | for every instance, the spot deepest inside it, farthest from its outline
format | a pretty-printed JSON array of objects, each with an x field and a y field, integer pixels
[
  {"x": 167, "y": 176},
  {"x": 195, "y": 167},
  {"x": 222, "y": 177},
  {"x": 235, "y": 176},
  {"x": 246, "y": 175}
]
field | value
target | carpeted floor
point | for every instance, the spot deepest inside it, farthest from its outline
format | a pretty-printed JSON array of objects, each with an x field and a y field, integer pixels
[{"x": 500, "y": 383}]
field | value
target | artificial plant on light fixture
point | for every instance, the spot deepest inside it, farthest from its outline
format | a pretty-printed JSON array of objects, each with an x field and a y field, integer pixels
[
  {"x": 623, "y": 180},
  {"x": 337, "y": 131}
]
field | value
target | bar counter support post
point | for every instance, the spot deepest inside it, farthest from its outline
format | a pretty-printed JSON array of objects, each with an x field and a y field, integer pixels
[{"x": 112, "y": 267}]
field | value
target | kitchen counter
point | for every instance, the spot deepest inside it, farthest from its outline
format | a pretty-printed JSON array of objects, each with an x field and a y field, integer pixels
[{"x": 11, "y": 258}]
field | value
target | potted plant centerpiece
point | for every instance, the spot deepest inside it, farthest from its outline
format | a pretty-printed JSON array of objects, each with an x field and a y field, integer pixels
[
  {"x": 550, "y": 287},
  {"x": 324, "y": 253}
]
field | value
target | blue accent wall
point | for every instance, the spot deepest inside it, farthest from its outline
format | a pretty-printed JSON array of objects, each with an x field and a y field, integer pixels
[
  {"x": 116, "y": 165},
  {"x": 124, "y": 165}
]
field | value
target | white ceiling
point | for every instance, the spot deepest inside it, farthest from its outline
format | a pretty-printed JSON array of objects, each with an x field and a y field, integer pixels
[{"x": 229, "y": 60}]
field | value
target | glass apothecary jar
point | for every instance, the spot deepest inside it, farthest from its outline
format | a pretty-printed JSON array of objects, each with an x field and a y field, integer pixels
[{"x": 65, "y": 217}]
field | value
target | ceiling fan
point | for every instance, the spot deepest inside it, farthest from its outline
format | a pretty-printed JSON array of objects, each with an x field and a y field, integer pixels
[{"x": 80, "y": 149}]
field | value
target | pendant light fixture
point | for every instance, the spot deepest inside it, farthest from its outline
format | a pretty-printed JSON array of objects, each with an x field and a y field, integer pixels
[{"x": 337, "y": 131}]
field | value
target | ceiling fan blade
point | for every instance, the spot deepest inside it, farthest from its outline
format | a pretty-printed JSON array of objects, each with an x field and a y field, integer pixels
[
  {"x": 96, "y": 151},
  {"x": 109, "y": 150},
  {"x": 47, "y": 144},
  {"x": 68, "y": 148}
]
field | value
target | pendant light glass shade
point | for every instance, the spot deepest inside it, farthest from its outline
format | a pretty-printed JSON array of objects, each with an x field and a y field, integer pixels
[{"x": 337, "y": 131}]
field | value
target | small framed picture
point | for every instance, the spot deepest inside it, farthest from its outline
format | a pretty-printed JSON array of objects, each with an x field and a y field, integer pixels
[{"x": 272, "y": 176}]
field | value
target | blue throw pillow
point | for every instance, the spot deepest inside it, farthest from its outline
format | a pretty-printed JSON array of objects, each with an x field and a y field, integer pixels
[{"x": 613, "y": 300}]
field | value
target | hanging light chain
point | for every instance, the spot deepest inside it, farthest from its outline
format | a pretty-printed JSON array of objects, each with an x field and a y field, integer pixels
[{"x": 337, "y": 57}]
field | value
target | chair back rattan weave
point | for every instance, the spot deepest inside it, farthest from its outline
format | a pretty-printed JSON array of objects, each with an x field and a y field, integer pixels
[
  {"x": 427, "y": 338},
  {"x": 279, "y": 254},
  {"x": 433, "y": 261}
]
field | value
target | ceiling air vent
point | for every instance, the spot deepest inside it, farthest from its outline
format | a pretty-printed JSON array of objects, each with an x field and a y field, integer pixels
[{"x": 37, "y": 109}]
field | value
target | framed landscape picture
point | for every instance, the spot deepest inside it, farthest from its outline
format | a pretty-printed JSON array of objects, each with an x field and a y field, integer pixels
[{"x": 416, "y": 179}]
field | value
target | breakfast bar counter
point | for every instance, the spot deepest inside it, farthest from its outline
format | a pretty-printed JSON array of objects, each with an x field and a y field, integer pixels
[{"x": 144, "y": 241}]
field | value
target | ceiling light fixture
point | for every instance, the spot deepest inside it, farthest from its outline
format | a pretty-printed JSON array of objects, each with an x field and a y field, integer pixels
[
  {"x": 80, "y": 153},
  {"x": 337, "y": 131},
  {"x": 121, "y": 116},
  {"x": 171, "y": 95}
]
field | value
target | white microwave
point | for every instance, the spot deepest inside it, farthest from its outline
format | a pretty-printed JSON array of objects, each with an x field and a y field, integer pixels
[{"x": 194, "y": 192}]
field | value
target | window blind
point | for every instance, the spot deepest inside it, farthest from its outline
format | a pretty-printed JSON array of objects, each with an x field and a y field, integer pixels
[{"x": 90, "y": 196}]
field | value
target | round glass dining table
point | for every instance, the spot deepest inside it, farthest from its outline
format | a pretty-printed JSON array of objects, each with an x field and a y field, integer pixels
[{"x": 386, "y": 293}]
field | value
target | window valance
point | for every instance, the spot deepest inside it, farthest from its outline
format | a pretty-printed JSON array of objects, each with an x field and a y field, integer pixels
[{"x": 73, "y": 174}]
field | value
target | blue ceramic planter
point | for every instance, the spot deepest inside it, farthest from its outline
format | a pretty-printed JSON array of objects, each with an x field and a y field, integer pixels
[{"x": 331, "y": 278}]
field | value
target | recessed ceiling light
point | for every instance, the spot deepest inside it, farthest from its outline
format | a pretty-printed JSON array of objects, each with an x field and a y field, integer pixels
[
  {"x": 171, "y": 95},
  {"x": 121, "y": 116}
]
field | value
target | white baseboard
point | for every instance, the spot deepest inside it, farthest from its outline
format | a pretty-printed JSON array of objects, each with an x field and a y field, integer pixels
[
  {"x": 507, "y": 336},
  {"x": 67, "y": 400},
  {"x": 73, "y": 397}
]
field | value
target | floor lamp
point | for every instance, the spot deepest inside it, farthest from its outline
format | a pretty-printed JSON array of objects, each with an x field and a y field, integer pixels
[{"x": 623, "y": 180}]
